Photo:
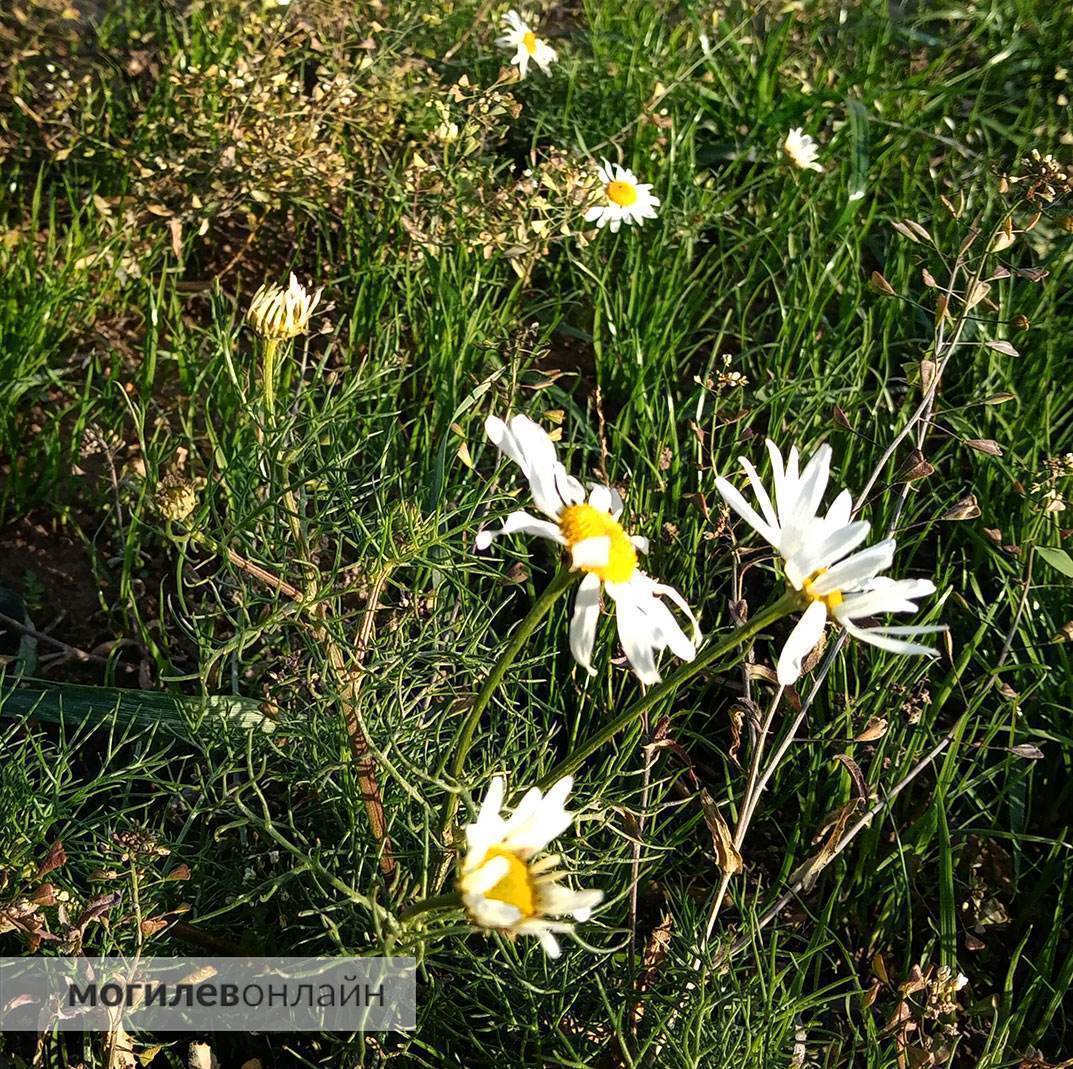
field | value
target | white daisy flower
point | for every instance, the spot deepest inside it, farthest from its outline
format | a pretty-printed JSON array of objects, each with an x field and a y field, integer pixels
[
  {"x": 527, "y": 46},
  {"x": 622, "y": 200},
  {"x": 817, "y": 559},
  {"x": 599, "y": 547},
  {"x": 502, "y": 886},
  {"x": 801, "y": 150}
]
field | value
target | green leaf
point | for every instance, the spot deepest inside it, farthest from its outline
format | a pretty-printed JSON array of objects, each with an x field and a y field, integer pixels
[
  {"x": 53, "y": 702},
  {"x": 1057, "y": 558}
]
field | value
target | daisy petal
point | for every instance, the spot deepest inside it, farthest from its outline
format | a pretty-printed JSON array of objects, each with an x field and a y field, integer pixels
[
  {"x": 583, "y": 622},
  {"x": 801, "y": 642}
]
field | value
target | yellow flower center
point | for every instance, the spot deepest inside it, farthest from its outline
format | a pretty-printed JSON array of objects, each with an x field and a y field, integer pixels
[
  {"x": 530, "y": 42},
  {"x": 516, "y": 888},
  {"x": 621, "y": 193},
  {"x": 832, "y": 600},
  {"x": 579, "y": 522}
]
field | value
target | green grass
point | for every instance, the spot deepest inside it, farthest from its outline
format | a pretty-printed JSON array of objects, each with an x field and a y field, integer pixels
[{"x": 122, "y": 351}]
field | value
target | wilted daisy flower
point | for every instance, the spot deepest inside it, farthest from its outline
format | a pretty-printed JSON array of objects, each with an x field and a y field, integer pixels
[
  {"x": 599, "y": 547},
  {"x": 278, "y": 314},
  {"x": 817, "y": 559},
  {"x": 622, "y": 199},
  {"x": 527, "y": 46},
  {"x": 801, "y": 150},
  {"x": 502, "y": 886}
]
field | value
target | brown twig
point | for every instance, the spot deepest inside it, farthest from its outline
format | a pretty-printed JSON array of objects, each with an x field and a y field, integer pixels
[
  {"x": 73, "y": 652},
  {"x": 348, "y": 679}
]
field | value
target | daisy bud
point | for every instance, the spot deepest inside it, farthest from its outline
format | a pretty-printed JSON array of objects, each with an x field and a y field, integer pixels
[{"x": 278, "y": 314}]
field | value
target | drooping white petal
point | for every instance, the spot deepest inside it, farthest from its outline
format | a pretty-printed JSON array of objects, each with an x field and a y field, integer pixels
[
  {"x": 559, "y": 900},
  {"x": 491, "y": 912},
  {"x": 801, "y": 642},
  {"x": 666, "y": 591},
  {"x": 583, "y": 622},
  {"x": 636, "y": 634},
  {"x": 640, "y": 543},
  {"x": 547, "y": 941},
  {"x": 524, "y": 523},
  {"x": 882, "y": 638},
  {"x": 667, "y": 633}
]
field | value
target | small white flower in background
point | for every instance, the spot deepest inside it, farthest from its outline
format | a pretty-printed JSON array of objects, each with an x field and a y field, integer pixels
[
  {"x": 817, "y": 559},
  {"x": 801, "y": 150},
  {"x": 502, "y": 886},
  {"x": 622, "y": 199},
  {"x": 527, "y": 46},
  {"x": 278, "y": 314},
  {"x": 599, "y": 547}
]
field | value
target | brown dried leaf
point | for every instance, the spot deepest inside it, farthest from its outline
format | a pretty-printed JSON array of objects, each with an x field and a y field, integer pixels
[
  {"x": 200, "y": 1056},
  {"x": 152, "y": 925},
  {"x": 966, "y": 509},
  {"x": 882, "y": 285},
  {"x": 905, "y": 231},
  {"x": 726, "y": 853},
  {"x": 978, "y": 293},
  {"x": 54, "y": 859},
  {"x": 955, "y": 210},
  {"x": 928, "y": 370},
  {"x": 807, "y": 873},
  {"x": 985, "y": 445},
  {"x": 916, "y": 467},
  {"x": 813, "y": 657},
  {"x": 860, "y": 787},
  {"x": 875, "y": 729},
  {"x": 1027, "y": 751},
  {"x": 879, "y": 967},
  {"x": 176, "y": 228}
]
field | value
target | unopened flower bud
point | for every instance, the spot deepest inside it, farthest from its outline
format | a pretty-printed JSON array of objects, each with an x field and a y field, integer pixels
[{"x": 278, "y": 314}]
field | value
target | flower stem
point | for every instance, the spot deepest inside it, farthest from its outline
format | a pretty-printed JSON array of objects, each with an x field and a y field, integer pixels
[
  {"x": 449, "y": 900},
  {"x": 541, "y": 607},
  {"x": 788, "y": 603},
  {"x": 268, "y": 375}
]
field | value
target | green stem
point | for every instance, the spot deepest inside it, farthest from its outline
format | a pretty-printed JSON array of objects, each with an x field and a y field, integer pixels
[
  {"x": 268, "y": 375},
  {"x": 563, "y": 578},
  {"x": 541, "y": 607},
  {"x": 449, "y": 900},
  {"x": 788, "y": 603}
]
